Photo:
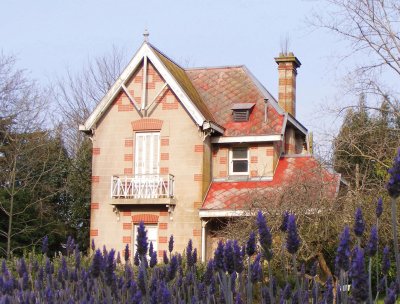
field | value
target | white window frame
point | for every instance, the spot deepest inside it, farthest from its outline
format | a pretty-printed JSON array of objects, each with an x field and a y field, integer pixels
[
  {"x": 155, "y": 241},
  {"x": 231, "y": 172},
  {"x": 140, "y": 169}
]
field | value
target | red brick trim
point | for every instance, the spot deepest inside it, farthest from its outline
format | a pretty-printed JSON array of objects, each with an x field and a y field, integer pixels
[
  {"x": 95, "y": 179},
  {"x": 128, "y": 157},
  {"x": 163, "y": 213},
  {"x": 164, "y": 170},
  {"x": 94, "y": 206},
  {"x": 145, "y": 218},
  {"x": 197, "y": 205},
  {"x": 94, "y": 232},
  {"x": 128, "y": 171},
  {"x": 96, "y": 151},
  {"x": 164, "y": 156},
  {"x": 162, "y": 239},
  {"x": 196, "y": 232},
  {"x": 198, "y": 148},
  {"x": 270, "y": 152},
  {"x": 164, "y": 142},
  {"x": 127, "y": 226},
  {"x": 126, "y": 213},
  {"x": 253, "y": 173},
  {"x": 163, "y": 226},
  {"x": 147, "y": 124},
  {"x": 222, "y": 174},
  {"x": 222, "y": 160},
  {"x": 254, "y": 159},
  {"x": 128, "y": 143},
  {"x": 126, "y": 239},
  {"x": 125, "y": 108},
  {"x": 198, "y": 177}
]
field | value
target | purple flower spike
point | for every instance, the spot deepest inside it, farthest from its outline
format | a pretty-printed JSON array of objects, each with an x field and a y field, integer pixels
[
  {"x": 208, "y": 275},
  {"x": 45, "y": 245},
  {"x": 379, "y": 207},
  {"x": 251, "y": 244},
  {"x": 372, "y": 245},
  {"x": 118, "y": 258},
  {"x": 171, "y": 244},
  {"x": 136, "y": 259},
  {"x": 194, "y": 256},
  {"x": 172, "y": 268},
  {"x": 141, "y": 240},
  {"x": 93, "y": 245},
  {"x": 385, "y": 260},
  {"x": 96, "y": 264},
  {"x": 359, "y": 277},
  {"x": 292, "y": 239},
  {"x": 219, "y": 257},
  {"x": 151, "y": 249},
  {"x": 342, "y": 260},
  {"x": 237, "y": 257},
  {"x": 265, "y": 236},
  {"x": 256, "y": 271},
  {"x": 391, "y": 297},
  {"x": 285, "y": 219},
  {"x": 359, "y": 224},
  {"x": 165, "y": 257},
  {"x": 228, "y": 257},
  {"x": 329, "y": 291},
  {"x": 189, "y": 251},
  {"x": 110, "y": 267},
  {"x": 126, "y": 253},
  {"x": 393, "y": 185},
  {"x": 153, "y": 259}
]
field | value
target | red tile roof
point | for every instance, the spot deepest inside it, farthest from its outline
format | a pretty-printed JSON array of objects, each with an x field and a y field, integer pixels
[
  {"x": 235, "y": 195},
  {"x": 221, "y": 88}
]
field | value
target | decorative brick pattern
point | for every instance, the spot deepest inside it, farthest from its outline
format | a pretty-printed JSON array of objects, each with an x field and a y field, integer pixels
[
  {"x": 128, "y": 143},
  {"x": 163, "y": 213},
  {"x": 254, "y": 159},
  {"x": 198, "y": 177},
  {"x": 128, "y": 157},
  {"x": 164, "y": 156},
  {"x": 145, "y": 218},
  {"x": 196, "y": 232},
  {"x": 147, "y": 124},
  {"x": 138, "y": 79},
  {"x": 96, "y": 151},
  {"x": 253, "y": 173},
  {"x": 94, "y": 206},
  {"x": 118, "y": 100},
  {"x": 162, "y": 239},
  {"x": 94, "y": 232},
  {"x": 222, "y": 174},
  {"x": 127, "y": 226},
  {"x": 164, "y": 142},
  {"x": 95, "y": 179},
  {"x": 126, "y": 239},
  {"x": 197, "y": 205},
  {"x": 163, "y": 226},
  {"x": 126, "y": 213},
  {"x": 128, "y": 171},
  {"x": 151, "y": 85},
  {"x": 160, "y": 253},
  {"x": 125, "y": 108},
  {"x": 270, "y": 152},
  {"x": 164, "y": 170},
  {"x": 170, "y": 106},
  {"x": 198, "y": 148},
  {"x": 222, "y": 160}
]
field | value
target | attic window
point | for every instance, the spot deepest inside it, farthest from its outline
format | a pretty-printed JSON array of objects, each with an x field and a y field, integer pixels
[{"x": 241, "y": 111}]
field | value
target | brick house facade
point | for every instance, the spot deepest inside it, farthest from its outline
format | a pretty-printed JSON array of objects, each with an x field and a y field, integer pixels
[{"x": 176, "y": 148}]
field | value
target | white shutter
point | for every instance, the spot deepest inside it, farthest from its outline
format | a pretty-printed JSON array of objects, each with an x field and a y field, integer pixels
[{"x": 147, "y": 154}]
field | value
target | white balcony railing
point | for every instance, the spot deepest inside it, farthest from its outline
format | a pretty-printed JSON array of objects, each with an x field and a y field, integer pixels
[{"x": 142, "y": 186}]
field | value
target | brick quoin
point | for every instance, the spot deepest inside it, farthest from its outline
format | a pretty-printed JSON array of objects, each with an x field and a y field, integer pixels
[
  {"x": 138, "y": 79},
  {"x": 198, "y": 148},
  {"x": 128, "y": 157},
  {"x": 95, "y": 179},
  {"x": 196, "y": 232},
  {"x": 147, "y": 124},
  {"x": 197, "y": 205},
  {"x": 270, "y": 152},
  {"x": 253, "y": 173},
  {"x": 223, "y": 174},
  {"x": 254, "y": 159},
  {"x": 127, "y": 226},
  {"x": 126, "y": 213},
  {"x": 198, "y": 177},
  {"x": 162, "y": 239},
  {"x": 96, "y": 151},
  {"x": 164, "y": 156},
  {"x": 163, "y": 213},
  {"x": 94, "y": 232},
  {"x": 128, "y": 143},
  {"x": 94, "y": 206},
  {"x": 126, "y": 239},
  {"x": 164, "y": 142},
  {"x": 163, "y": 226},
  {"x": 170, "y": 106},
  {"x": 160, "y": 253},
  {"x": 222, "y": 160}
]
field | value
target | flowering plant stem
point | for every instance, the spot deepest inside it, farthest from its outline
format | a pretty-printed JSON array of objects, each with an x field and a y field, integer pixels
[
  {"x": 395, "y": 240},
  {"x": 369, "y": 280}
]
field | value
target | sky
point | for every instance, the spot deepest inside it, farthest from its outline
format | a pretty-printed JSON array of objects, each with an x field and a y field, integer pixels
[{"x": 50, "y": 37}]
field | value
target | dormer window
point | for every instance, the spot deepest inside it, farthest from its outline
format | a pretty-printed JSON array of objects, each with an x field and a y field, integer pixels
[{"x": 241, "y": 111}]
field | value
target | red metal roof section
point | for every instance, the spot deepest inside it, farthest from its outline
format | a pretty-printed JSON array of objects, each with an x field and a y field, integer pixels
[
  {"x": 220, "y": 88},
  {"x": 236, "y": 195}
]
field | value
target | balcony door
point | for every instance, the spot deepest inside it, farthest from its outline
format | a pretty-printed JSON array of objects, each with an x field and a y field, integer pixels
[{"x": 147, "y": 153}]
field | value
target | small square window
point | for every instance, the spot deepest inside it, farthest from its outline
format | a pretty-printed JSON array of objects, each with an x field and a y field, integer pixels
[{"x": 239, "y": 161}]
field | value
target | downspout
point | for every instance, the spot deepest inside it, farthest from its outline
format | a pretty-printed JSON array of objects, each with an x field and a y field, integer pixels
[{"x": 203, "y": 240}]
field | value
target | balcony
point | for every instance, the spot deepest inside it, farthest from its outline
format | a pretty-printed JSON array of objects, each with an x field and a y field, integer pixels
[{"x": 142, "y": 189}]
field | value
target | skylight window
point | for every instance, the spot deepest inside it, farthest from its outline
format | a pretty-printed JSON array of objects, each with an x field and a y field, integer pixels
[{"x": 241, "y": 111}]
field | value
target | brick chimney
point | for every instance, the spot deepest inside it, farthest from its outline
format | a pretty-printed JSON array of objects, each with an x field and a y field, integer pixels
[{"x": 287, "y": 69}]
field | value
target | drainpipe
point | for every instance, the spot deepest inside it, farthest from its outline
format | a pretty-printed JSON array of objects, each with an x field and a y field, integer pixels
[
  {"x": 203, "y": 240},
  {"x": 265, "y": 109}
]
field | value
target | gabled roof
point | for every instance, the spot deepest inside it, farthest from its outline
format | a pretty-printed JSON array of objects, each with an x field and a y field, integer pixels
[
  {"x": 176, "y": 79},
  {"x": 235, "y": 196}
]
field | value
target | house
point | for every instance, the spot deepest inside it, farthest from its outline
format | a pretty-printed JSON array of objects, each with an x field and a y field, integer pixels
[{"x": 178, "y": 148}]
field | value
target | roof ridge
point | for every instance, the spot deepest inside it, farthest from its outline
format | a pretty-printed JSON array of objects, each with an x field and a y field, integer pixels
[{"x": 215, "y": 67}]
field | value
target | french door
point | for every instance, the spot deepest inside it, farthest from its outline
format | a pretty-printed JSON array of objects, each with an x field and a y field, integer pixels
[{"x": 147, "y": 153}]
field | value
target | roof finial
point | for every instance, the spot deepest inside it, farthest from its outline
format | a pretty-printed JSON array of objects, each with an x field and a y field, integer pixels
[{"x": 146, "y": 35}]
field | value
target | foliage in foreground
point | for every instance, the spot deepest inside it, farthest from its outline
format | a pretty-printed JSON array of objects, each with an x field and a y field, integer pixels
[{"x": 237, "y": 274}]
